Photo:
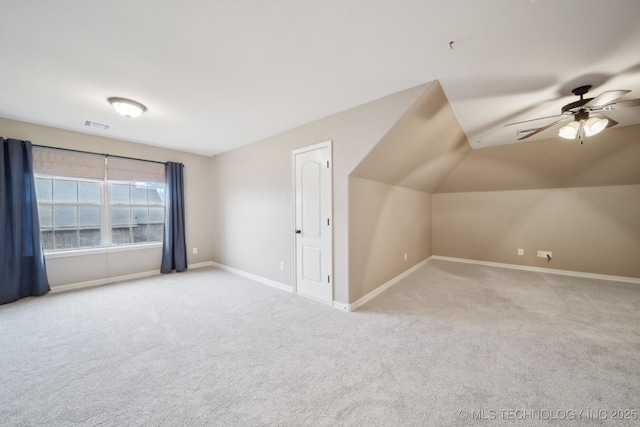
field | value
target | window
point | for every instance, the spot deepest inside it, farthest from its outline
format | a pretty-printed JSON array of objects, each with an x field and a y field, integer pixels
[
  {"x": 137, "y": 212},
  {"x": 87, "y": 203},
  {"x": 70, "y": 212}
]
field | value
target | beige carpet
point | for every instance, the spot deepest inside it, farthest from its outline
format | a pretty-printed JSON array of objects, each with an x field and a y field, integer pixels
[{"x": 451, "y": 344}]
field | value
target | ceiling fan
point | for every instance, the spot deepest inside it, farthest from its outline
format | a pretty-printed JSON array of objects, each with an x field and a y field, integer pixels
[{"x": 587, "y": 115}]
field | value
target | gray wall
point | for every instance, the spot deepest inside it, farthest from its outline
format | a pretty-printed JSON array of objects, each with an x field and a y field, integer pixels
[
  {"x": 390, "y": 192},
  {"x": 385, "y": 223},
  {"x": 251, "y": 188},
  {"x": 580, "y": 201},
  {"x": 588, "y": 229}
]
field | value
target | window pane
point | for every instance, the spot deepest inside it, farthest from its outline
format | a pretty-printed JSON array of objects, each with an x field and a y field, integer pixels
[
  {"x": 44, "y": 191},
  {"x": 47, "y": 240},
  {"x": 90, "y": 238},
  {"x": 120, "y": 216},
  {"x": 89, "y": 216},
  {"x": 120, "y": 236},
  {"x": 140, "y": 216},
  {"x": 155, "y": 232},
  {"x": 139, "y": 194},
  {"x": 88, "y": 192},
  {"x": 65, "y": 216},
  {"x": 156, "y": 215},
  {"x": 141, "y": 234},
  {"x": 66, "y": 239},
  {"x": 65, "y": 191},
  {"x": 45, "y": 217},
  {"x": 156, "y": 193},
  {"x": 119, "y": 193}
]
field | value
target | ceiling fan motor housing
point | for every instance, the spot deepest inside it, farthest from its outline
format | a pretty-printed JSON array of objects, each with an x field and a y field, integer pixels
[
  {"x": 579, "y": 91},
  {"x": 575, "y": 105},
  {"x": 582, "y": 115}
]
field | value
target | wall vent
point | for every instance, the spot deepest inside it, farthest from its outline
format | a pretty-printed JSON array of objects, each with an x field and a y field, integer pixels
[{"x": 96, "y": 125}]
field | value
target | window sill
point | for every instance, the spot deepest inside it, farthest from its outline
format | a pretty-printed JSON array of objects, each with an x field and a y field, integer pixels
[{"x": 94, "y": 251}]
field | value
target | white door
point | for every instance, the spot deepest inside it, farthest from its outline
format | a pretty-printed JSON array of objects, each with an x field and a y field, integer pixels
[{"x": 313, "y": 222}]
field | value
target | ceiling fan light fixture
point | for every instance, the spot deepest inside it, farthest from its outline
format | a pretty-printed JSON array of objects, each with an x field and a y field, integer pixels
[
  {"x": 569, "y": 131},
  {"x": 595, "y": 125},
  {"x": 127, "y": 107},
  {"x": 583, "y": 125}
]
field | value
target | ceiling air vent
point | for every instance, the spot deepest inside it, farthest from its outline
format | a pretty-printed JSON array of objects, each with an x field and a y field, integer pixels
[{"x": 96, "y": 125}]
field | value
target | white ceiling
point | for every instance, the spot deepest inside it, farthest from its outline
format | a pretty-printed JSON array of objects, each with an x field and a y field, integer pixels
[{"x": 217, "y": 74}]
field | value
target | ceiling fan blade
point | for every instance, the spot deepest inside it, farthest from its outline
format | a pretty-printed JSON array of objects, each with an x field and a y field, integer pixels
[
  {"x": 545, "y": 128},
  {"x": 534, "y": 120},
  {"x": 622, "y": 104},
  {"x": 606, "y": 98},
  {"x": 611, "y": 123}
]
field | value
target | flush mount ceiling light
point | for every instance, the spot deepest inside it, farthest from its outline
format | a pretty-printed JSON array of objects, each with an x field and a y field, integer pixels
[{"x": 127, "y": 107}]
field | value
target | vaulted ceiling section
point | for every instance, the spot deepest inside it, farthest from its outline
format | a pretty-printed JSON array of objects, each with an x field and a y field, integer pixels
[{"x": 426, "y": 150}]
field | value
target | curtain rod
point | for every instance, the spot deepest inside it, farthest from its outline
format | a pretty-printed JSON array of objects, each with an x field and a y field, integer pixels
[{"x": 98, "y": 154}]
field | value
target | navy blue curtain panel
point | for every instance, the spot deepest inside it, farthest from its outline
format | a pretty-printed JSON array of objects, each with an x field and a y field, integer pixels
[
  {"x": 174, "y": 247},
  {"x": 22, "y": 267}
]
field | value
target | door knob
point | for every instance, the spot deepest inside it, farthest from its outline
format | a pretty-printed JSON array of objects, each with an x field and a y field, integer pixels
[{"x": 298, "y": 231}]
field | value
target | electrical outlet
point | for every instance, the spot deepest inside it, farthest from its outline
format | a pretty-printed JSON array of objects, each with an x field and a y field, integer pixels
[
  {"x": 282, "y": 265},
  {"x": 520, "y": 251},
  {"x": 405, "y": 256},
  {"x": 545, "y": 254},
  {"x": 195, "y": 251}
]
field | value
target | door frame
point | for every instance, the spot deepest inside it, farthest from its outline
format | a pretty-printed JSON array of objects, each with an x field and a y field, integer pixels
[{"x": 327, "y": 144}]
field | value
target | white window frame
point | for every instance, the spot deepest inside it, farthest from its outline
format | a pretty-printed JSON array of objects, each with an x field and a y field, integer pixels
[
  {"x": 105, "y": 220},
  {"x": 109, "y": 227}
]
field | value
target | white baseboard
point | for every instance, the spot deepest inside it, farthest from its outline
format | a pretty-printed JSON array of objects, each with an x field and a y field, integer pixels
[
  {"x": 202, "y": 264},
  {"x": 251, "y": 276},
  {"x": 371, "y": 295},
  {"x": 116, "y": 279},
  {"x": 340, "y": 306},
  {"x": 378, "y": 291},
  {"x": 100, "y": 282},
  {"x": 542, "y": 270}
]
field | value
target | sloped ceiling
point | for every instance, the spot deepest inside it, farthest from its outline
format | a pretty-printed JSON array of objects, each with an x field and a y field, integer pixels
[
  {"x": 421, "y": 149},
  {"x": 609, "y": 158},
  {"x": 426, "y": 150}
]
